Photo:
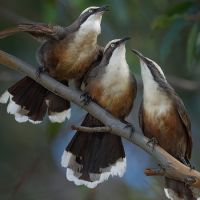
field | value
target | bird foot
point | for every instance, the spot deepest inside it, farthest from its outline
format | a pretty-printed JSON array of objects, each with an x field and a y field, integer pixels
[
  {"x": 152, "y": 143},
  {"x": 39, "y": 70},
  {"x": 187, "y": 162},
  {"x": 86, "y": 98},
  {"x": 130, "y": 126}
]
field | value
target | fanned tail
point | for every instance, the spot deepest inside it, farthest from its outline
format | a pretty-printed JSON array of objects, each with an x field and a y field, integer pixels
[
  {"x": 176, "y": 190},
  {"x": 8, "y": 32},
  {"x": 39, "y": 31},
  {"x": 90, "y": 158},
  {"x": 29, "y": 101}
]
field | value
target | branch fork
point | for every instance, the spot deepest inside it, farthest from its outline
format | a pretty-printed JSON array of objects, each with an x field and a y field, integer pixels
[{"x": 177, "y": 170}]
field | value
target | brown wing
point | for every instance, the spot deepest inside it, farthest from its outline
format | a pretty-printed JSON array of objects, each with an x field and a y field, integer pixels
[
  {"x": 38, "y": 30},
  {"x": 94, "y": 69},
  {"x": 134, "y": 86},
  {"x": 186, "y": 122},
  {"x": 9, "y": 31},
  {"x": 140, "y": 116}
]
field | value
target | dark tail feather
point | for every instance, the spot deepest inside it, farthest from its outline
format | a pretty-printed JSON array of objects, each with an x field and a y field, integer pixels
[
  {"x": 39, "y": 31},
  {"x": 176, "y": 190},
  {"x": 8, "y": 32},
  {"x": 29, "y": 101},
  {"x": 59, "y": 108},
  {"x": 90, "y": 158}
]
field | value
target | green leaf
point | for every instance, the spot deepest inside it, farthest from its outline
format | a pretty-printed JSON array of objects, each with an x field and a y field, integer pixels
[
  {"x": 191, "y": 44},
  {"x": 179, "y": 8},
  {"x": 164, "y": 21},
  {"x": 161, "y": 22}
]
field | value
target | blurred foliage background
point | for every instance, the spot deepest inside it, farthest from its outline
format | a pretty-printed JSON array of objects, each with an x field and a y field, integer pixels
[{"x": 166, "y": 31}]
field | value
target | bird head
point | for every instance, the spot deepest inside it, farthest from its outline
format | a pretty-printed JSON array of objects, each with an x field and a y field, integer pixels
[
  {"x": 115, "y": 50},
  {"x": 149, "y": 68},
  {"x": 90, "y": 19}
]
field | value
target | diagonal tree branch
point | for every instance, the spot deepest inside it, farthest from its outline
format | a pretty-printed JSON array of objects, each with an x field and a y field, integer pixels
[
  {"x": 173, "y": 168},
  {"x": 91, "y": 129}
]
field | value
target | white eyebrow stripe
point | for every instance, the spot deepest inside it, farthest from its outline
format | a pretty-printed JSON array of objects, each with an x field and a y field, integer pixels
[
  {"x": 157, "y": 66},
  {"x": 112, "y": 41},
  {"x": 92, "y": 7}
]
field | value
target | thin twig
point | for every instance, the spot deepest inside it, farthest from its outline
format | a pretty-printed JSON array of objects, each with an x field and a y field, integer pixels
[
  {"x": 154, "y": 172},
  {"x": 91, "y": 129},
  {"x": 173, "y": 168}
]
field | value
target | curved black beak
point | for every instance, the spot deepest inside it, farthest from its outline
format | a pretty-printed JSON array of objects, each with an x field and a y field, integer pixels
[
  {"x": 139, "y": 54},
  {"x": 103, "y": 8},
  {"x": 143, "y": 58},
  {"x": 123, "y": 40}
]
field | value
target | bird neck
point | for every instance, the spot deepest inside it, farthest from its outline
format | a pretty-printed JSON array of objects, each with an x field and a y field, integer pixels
[
  {"x": 155, "y": 95},
  {"x": 85, "y": 39},
  {"x": 155, "y": 98},
  {"x": 88, "y": 32},
  {"x": 117, "y": 75}
]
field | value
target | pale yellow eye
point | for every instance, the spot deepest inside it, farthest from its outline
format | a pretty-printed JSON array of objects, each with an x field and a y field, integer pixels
[{"x": 112, "y": 45}]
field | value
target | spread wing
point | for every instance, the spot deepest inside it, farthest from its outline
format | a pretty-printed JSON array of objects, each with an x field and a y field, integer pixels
[
  {"x": 39, "y": 31},
  {"x": 186, "y": 123}
]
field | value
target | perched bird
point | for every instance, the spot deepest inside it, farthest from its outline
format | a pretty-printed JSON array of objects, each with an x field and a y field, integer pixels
[
  {"x": 66, "y": 53},
  {"x": 90, "y": 158},
  {"x": 163, "y": 117}
]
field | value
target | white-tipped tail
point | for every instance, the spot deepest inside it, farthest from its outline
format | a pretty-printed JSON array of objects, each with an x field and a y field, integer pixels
[
  {"x": 12, "y": 107},
  {"x": 117, "y": 169},
  {"x": 196, "y": 192},
  {"x": 21, "y": 118},
  {"x": 5, "y": 97},
  {"x": 170, "y": 194},
  {"x": 71, "y": 177},
  {"x": 15, "y": 109},
  {"x": 61, "y": 116},
  {"x": 34, "y": 122},
  {"x": 66, "y": 158}
]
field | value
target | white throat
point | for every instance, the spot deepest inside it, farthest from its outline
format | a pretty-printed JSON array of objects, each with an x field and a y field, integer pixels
[
  {"x": 155, "y": 99},
  {"x": 92, "y": 26},
  {"x": 86, "y": 36},
  {"x": 117, "y": 72}
]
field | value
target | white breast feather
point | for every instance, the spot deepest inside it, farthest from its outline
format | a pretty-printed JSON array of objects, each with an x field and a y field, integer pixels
[
  {"x": 116, "y": 78},
  {"x": 87, "y": 37},
  {"x": 91, "y": 25},
  {"x": 155, "y": 100}
]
